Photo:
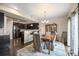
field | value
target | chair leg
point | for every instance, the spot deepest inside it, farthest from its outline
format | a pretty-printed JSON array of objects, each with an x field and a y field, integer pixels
[
  {"x": 49, "y": 47},
  {"x": 44, "y": 46},
  {"x": 52, "y": 46}
]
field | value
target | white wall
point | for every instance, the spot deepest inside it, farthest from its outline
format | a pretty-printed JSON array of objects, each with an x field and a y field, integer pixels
[
  {"x": 8, "y": 24},
  {"x": 7, "y": 29},
  {"x": 5, "y": 25},
  {"x": 61, "y": 25}
]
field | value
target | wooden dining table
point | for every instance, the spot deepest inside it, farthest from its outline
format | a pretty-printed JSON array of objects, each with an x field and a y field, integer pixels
[{"x": 49, "y": 39}]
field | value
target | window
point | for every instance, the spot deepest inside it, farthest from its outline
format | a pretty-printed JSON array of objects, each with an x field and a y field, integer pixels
[{"x": 73, "y": 32}]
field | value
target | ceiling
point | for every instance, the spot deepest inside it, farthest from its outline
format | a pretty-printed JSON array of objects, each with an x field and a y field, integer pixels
[{"x": 41, "y": 10}]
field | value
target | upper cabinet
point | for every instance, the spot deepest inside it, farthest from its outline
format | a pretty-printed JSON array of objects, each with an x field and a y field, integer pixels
[
  {"x": 1, "y": 20},
  {"x": 30, "y": 26}
]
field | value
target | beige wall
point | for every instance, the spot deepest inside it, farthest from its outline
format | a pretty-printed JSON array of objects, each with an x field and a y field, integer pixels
[{"x": 61, "y": 26}]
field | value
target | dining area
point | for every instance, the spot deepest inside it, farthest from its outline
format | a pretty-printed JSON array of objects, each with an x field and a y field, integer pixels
[
  {"x": 45, "y": 44},
  {"x": 45, "y": 41},
  {"x": 48, "y": 42},
  {"x": 46, "y": 32}
]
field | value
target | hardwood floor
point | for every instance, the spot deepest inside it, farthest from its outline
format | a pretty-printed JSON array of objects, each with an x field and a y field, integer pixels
[{"x": 16, "y": 44}]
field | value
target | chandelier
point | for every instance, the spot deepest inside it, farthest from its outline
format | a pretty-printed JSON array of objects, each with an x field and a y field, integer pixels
[{"x": 44, "y": 19}]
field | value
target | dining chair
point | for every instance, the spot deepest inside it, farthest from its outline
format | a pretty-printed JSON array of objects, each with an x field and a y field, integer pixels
[
  {"x": 48, "y": 33},
  {"x": 55, "y": 37},
  {"x": 49, "y": 43},
  {"x": 46, "y": 42},
  {"x": 36, "y": 42}
]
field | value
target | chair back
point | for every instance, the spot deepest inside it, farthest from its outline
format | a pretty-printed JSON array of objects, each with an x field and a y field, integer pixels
[
  {"x": 48, "y": 33},
  {"x": 36, "y": 42},
  {"x": 54, "y": 34}
]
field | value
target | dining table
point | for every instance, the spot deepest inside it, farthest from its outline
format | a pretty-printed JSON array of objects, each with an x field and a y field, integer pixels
[{"x": 49, "y": 39}]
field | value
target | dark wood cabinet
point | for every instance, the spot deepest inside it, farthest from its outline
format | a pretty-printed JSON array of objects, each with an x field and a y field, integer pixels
[
  {"x": 22, "y": 26},
  {"x": 4, "y": 45},
  {"x": 1, "y": 20},
  {"x": 32, "y": 26},
  {"x": 16, "y": 29},
  {"x": 19, "y": 25},
  {"x": 51, "y": 27}
]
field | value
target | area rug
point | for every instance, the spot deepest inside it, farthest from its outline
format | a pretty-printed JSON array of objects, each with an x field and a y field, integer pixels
[{"x": 59, "y": 50}]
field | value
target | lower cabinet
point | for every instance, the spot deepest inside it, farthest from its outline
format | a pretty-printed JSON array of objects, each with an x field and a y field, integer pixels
[{"x": 4, "y": 45}]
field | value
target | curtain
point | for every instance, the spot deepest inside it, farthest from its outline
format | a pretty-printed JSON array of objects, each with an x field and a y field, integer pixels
[{"x": 74, "y": 33}]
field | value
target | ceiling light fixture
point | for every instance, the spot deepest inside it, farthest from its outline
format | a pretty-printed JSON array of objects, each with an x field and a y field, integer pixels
[{"x": 44, "y": 19}]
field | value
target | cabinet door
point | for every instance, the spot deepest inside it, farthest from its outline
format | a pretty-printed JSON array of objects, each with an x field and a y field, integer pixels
[
  {"x": 51, "y": 27},
  {"x": 1, "y": 20},
  {"x": 4, "y": 45}
]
